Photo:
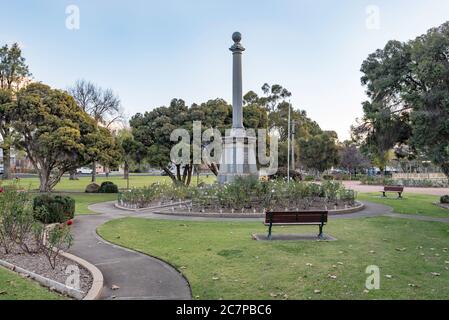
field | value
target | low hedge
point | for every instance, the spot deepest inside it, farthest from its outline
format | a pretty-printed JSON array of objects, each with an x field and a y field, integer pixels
[
  {"x": 92, "y": 188},
  {"x": 108, "y": 187},
  {"x": 445, "y": 199},
  {"x": 50, "y": 209}
]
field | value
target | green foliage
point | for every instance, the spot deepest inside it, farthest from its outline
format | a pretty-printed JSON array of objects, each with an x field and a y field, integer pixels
[
  {"x": 242, "y": 193},
  {"x": 319, "y": 152},
  {"x": 153, "y": 129},
  {"x": 444, "y": 199},
  {"x": 108, "y": 187},
  {"x": 51, "y": 242},
  {"x": 57, "y": 135},
  {"x": 327, "y": 177},
  {"x": 408, "y": 90},
  {"x": 376, "y": 180},
  {"x": 16, "y": 218},
  {"x": 50, "y": 209}
]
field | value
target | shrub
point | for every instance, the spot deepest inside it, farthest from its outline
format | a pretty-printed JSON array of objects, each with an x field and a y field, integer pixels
[
  {"x": 444, "y": 199},
  {"x": 92, "y": 188},
  {"x": 50, "y": 209},
  {"x": 51, "y": 241},
  {"x": 16, "y": 219},
  {"x": 348, "y": 196},
  {"x": 108, "y": 187},
  {"x": 309, "y": 178},
  {"x": 328, "y": 177},
  {"x": 282, "y": 173}
]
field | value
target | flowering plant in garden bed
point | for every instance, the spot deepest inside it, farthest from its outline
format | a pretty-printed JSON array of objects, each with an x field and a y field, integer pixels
[{"x": 246, "y": 194}]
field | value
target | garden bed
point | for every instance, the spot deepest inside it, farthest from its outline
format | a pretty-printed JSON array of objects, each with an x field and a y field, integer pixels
[
  {"x": 242, "y": 197},
  {"x": 38, "y": 263},
  {"x": 186, "y": 211}
]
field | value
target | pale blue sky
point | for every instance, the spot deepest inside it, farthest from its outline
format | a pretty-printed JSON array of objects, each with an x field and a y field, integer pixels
[{"x": 152, "y": 51}]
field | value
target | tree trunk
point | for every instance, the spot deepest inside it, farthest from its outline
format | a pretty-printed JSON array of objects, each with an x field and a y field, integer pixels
[
  {"x": 6, "y": 163},
  {"x": 214, "y": 168},
  {"x": 445, "y": 169},
  {"x": 73, "y": 175},
  {"x": 178, "y": 172},
  {"x": 189, "y": 177},
  {"x": 170, "y": 174},
  {"x": 126, "y": 171},
  {"x": 94, "y": 171},
  {"x": 44, "y": 178}
]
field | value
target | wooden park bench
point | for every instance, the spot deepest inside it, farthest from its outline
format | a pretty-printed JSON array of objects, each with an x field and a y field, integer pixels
[
  {"x": 396, "y": 189},
  {"x": 299, "y": 218}
]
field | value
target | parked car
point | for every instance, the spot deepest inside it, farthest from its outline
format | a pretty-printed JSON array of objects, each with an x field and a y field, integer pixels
[{"x": 84, "y": 170}]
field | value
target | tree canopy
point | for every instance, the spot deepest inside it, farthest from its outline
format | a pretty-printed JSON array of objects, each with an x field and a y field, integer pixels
[
  {"x": 319, "y": 152},
  {"x": 13, "y": 73},
  {"x": 408, "y": 87},
  {"x": 57, "y": 135},
  {"x": 153, "y": 129}
]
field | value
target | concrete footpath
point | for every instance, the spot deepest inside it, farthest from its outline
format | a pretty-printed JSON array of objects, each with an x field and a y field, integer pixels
[{"x": 127, "y": 274}]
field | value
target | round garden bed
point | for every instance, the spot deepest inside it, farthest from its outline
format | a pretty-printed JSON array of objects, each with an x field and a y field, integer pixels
[{"x": 244, "y": 198}]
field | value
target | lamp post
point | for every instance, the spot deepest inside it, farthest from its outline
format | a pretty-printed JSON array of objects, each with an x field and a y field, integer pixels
[{"x": 288, "y": 142}]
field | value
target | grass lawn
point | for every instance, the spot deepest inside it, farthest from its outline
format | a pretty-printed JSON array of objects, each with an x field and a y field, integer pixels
[
  {"x": 222, "y": 261},
  {"x": 14, "y": 287},
  {"x": 82, "y": 201},
  {"x": 80, "y": 185},
  {"x": 419, "y": 204}
]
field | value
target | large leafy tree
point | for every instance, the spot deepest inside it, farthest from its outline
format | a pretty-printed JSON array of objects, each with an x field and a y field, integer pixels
[
  {"x": 319, "y": 152},
  {"x": 408, "y": 87},
  {"x": 131, "y": 150},
  {"x": 56, "y": 134},
  {"x": 13, "y": 73},
  {"x": 153, "y": 129},
  {"x": 274, "y": 101}
]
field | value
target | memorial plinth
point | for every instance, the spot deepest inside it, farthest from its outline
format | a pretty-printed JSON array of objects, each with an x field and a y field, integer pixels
[{"x": 239, "y": 149}]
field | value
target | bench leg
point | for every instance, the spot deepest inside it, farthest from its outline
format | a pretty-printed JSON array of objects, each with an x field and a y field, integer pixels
[
  {"x": 269, "y": 231},
  {"x": 400, "y": 195},
  {"x": 320, "y": 235},
  {"x": 384, "y": 194}
]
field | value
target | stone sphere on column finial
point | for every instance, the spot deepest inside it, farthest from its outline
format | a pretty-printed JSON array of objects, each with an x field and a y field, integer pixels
[{"x": 237, "y": 37}]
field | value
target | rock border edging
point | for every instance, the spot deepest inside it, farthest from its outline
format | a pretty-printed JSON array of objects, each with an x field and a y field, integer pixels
[
  {"x": 360, "y": 206},
  {"x": 97, "y": 277},
  {"x": 93, "y": 293}
]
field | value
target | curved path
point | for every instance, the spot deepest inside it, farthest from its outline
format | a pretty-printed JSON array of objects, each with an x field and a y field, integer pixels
[{"x": 139, "y": 276}]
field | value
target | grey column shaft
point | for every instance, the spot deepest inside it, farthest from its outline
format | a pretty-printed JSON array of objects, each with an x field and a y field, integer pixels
[{"x": 237, "y": 91}]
